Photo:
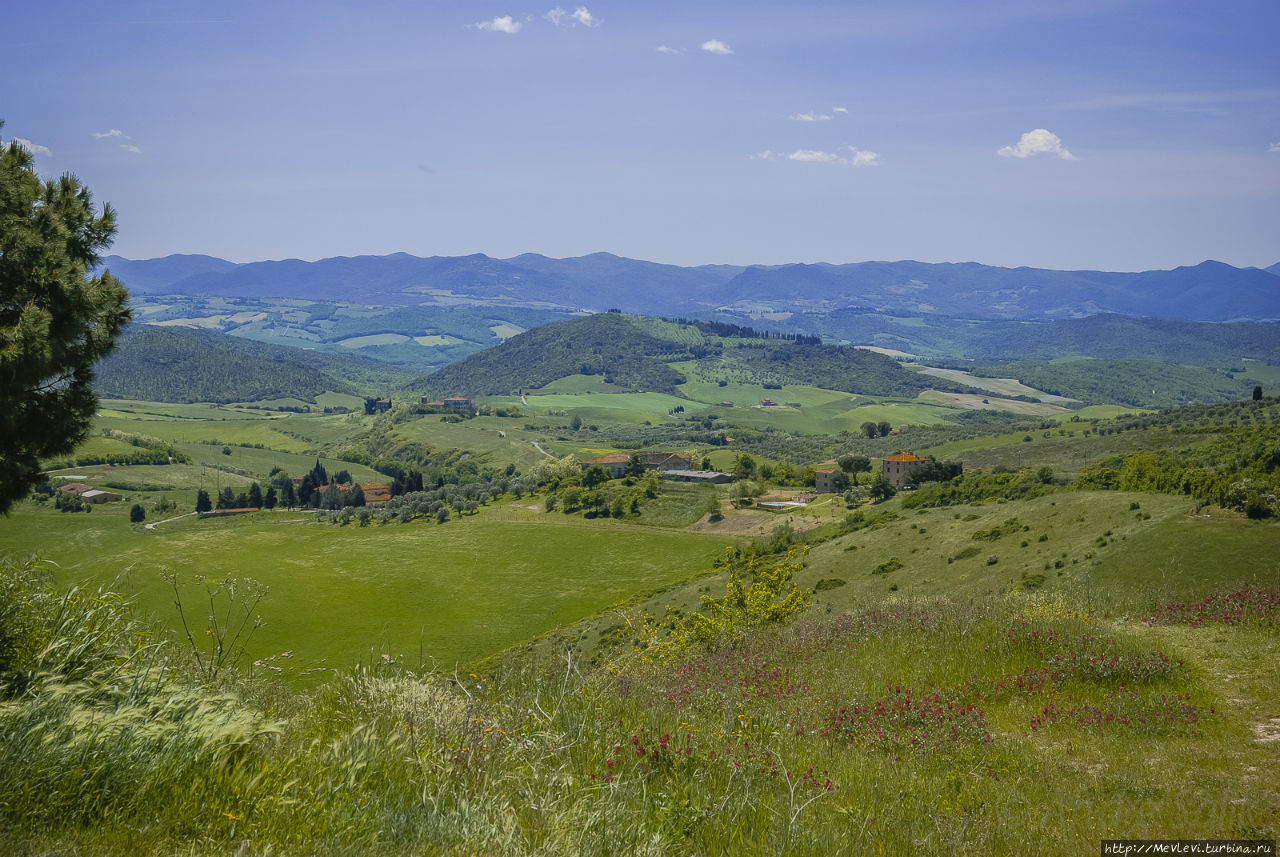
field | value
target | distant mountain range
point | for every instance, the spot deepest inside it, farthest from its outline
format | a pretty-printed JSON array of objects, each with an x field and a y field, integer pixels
[{"x": 1210, "y": 291}]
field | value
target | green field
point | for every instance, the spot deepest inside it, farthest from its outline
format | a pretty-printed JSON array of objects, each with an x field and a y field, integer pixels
[
  {"x": 376, "y": 339},
  {"x": 454, "y": 593},
  {"x": 999, "y": 386}
]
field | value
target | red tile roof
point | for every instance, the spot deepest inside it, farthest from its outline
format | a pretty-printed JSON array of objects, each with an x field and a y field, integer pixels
[
  {"x": 611, "y": 458},
  {"x": 905, "y": 456},
  {"x": 376, "y": 492}
]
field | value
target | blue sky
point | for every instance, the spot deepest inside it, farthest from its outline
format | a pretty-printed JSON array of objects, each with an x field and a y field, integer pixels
[{"x": 1109, "y": 134}]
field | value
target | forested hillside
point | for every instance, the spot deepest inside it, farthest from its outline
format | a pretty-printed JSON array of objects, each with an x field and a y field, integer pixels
[
  {"x": 850, "y": 370},
  {"x": 181, "y": 365},
  {"x": 994, "y": 341},
  {"x": 632, "y": 353},
  {"x": 1138, "y": 383}
]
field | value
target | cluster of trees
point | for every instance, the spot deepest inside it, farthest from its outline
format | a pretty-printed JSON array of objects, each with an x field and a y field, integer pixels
[
  {"x": 593, "y": 492},
  {"x": 65, "y": 501},
  {"x": 934, "y": 471},
  {"x": 872, "y": 429},
  {"x": 159, "y": 453},
  {"x": 735, "y": 331},
  {"x": 440, "y": 503},
  {"x": 1238, "y": 469},
  {"x": 316, "y": 490},
  {"x": 621, "y": 499},
  {"x": 977, "y": 486},
  {"x": 1258, "y": 412}
]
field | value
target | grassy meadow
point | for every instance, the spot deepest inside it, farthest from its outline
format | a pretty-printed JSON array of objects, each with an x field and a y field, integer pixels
[{"x": 453, "y": 593}]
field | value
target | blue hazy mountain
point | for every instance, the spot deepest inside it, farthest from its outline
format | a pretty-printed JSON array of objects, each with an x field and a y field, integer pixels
[{"x": 1210, "y": 291}]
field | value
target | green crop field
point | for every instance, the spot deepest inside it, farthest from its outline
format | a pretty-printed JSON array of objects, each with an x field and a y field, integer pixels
[
  {"x": 455, "y": 593},
  {"x": 606, "y": 407}
]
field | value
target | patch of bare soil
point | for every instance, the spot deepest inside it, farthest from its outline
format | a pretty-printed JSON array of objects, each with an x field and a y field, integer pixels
[{"x": 1267, "y": 731}]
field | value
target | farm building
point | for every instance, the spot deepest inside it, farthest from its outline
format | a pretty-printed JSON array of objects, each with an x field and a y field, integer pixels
[
  {"x": 89, "y": 494},
  {"x": 715, "y": 477},
  {"x": 615, "y": 464},
  {"x": 824, "y": 479},
  {"x": 375, "y": 493},
  {"x": 896, "y": 467},
  {"x": 665, "y": 461}
]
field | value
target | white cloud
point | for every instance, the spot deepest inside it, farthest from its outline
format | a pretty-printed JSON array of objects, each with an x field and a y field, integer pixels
[
  {"x": 580, "y": 15},
  {"x": 809, "y": 117},
  {"x": 1037, "y": 142},
  {"x": 856, "y": 157},
  {"x": 669, "y": 51},
  {"x": 504, "y": 24},
  {"x": 813, "y": 156},
  {"x": 844, "y": 110},
  {"x": 715, "y": 46},
  {"x": 1275, "y": 147},
  {"x": 585, "y": 18},
  {"x": 129, "y": 147},
  {"x": 33, "y": 148},
  {"x": 114, "y": 132}
]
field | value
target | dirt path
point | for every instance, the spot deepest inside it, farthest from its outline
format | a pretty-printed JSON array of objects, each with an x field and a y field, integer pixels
[{"x": 152, "y": 526}]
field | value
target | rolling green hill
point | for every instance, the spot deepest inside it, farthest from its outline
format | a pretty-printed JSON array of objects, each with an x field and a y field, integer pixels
[
  {"x": 632, "y": 353},
  {"x": 607, "y": 344}
]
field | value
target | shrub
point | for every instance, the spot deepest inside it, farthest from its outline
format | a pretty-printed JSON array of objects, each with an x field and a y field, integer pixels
[{"x": 889, "y": 565}]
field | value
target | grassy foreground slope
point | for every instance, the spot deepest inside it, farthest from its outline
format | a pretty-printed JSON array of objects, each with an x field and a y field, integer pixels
[{"x": 1019, "y": 722}]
